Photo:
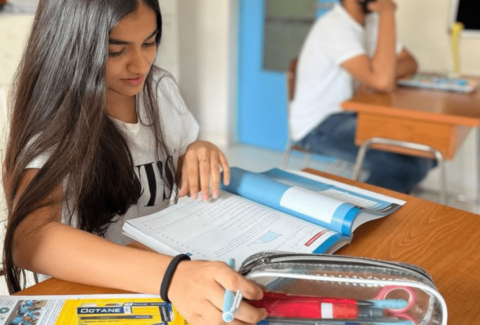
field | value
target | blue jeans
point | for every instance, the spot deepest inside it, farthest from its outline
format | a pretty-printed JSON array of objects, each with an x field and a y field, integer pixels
[{"x": 335, "y": 137}]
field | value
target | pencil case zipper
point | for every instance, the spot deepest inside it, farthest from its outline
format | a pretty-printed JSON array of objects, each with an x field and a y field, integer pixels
[{"x": 275, "y": 258}]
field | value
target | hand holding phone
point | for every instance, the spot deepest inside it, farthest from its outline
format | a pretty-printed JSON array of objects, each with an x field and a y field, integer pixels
[
  {"x": 379, "y": 6},
  {"x": 364, "y": 5}
]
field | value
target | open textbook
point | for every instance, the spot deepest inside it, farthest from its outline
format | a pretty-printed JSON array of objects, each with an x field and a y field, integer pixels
[
  {"x": 435, "y": 81},
  {"x": 87, "y": 309},
  {"x": 271, "y": 211}
]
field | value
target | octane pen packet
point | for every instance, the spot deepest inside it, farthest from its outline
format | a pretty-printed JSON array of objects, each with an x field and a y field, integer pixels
[
  {"x": 124, "y": 313},
  {"x": 87, "y": 309}
]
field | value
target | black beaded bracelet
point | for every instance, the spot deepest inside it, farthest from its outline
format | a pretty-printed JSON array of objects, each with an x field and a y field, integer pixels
[{"x": 167, "y": 278}]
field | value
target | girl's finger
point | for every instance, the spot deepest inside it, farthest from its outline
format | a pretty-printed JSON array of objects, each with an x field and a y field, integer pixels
[
  {"x": 250, "y": 315},
  {"x": 225, "y": 168},
  {"x": 184, "y": 182},
  {"x": 215, "y": 169},
  {"x": 192, "y": 166},
  {"x": 205, "y": 172}
]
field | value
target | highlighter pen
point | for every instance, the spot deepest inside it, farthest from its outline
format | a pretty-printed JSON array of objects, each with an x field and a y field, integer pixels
[
  {"x": 231, "y": 301},
  {"x": 389, "y": 303}
]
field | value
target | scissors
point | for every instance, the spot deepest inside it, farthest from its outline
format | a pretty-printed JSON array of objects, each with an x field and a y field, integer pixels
[{"x": 399, "y": 312}]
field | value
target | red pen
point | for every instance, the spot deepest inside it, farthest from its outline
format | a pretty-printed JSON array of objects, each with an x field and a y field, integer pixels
[{"x": 308, "y": 307}]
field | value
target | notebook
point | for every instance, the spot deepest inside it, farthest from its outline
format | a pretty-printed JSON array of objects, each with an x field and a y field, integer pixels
[{"x": 439, "y": 82}]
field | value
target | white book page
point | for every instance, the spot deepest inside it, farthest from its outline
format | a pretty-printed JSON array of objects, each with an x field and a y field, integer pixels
[
  {"x": 230, "y": 227},
  {"x": 350, "y": 198},
  {"x": 310, "y": 203}
]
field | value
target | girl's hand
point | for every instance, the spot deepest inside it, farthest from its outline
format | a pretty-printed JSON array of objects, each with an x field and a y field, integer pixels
[
  {"x": 198, "y": 287},
  {"x": 200, "y": 164}
]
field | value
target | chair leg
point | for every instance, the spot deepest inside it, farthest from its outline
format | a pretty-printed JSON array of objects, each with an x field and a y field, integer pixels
[
  {"x": 342, "y": 167},
  {"x": 286, "y": 154},
  {"x": 360, "y": 158},
  {"x": 404, "y": 144},
  {"x": 443, "y": 178},
  {"x": 306, "y": 160},
  {"x": 333, "y": 167}
]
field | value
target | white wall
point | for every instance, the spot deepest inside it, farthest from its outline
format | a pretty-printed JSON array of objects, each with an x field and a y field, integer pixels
[
  {"x": 14, "y": 31},
  {"x": 207, "y": 42},
  {"x": 168, "y": 56},
  {"x": 423, "y": 28}
]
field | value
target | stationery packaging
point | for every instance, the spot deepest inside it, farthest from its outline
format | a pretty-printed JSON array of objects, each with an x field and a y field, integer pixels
[{"x": 309, "y": 289}]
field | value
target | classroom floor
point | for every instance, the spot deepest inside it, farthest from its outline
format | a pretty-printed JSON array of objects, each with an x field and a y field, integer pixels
[{"x": 260, "y": 159}]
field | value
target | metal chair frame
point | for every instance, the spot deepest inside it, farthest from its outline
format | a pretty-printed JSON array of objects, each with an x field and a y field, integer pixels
[{"x": 365, "y": 146}]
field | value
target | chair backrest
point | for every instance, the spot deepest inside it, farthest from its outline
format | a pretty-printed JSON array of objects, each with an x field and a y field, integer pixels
[{"x": 291, "y": 79}]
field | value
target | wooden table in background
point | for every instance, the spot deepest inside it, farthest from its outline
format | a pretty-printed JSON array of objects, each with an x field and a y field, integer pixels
[
  {"x": 443, "y": 240},
  {"x": 441, "y": 120}
]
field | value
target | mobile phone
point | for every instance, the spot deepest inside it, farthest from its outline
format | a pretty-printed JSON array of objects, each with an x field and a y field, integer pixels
[{"x": 364, "y": 5}]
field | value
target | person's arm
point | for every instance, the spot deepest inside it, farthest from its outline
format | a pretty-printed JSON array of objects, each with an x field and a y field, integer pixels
[
  {"x": 378, "y": 72},
  {"x": 406, "y": 64},
  {"x": 43, "y": 244}
]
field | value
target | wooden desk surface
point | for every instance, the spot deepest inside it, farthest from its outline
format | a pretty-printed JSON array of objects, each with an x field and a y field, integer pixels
[
  {"x": 443, "y": 240},
  {"x": 441, "y": 120},
  {"x": 448, "y": 107}
]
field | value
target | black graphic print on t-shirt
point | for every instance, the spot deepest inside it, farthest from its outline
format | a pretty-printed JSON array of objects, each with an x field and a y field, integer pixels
[{"x": 166, "y": 170}]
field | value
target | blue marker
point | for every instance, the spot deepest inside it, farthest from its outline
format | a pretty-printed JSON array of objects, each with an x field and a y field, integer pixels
[
  {"x": 231, "y": 301},
  {"x": 389, "y": 303}
]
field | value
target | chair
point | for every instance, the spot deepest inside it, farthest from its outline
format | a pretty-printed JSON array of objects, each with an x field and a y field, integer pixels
[
  {"x": 290, "y": 85},
  {"x": 335, "y": 166},
  {"x": 338, "y": 166},
  {"x": 414, "y": 149}
]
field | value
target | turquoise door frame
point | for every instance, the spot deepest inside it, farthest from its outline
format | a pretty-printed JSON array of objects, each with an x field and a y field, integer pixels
[{"x": 262, "y": 101}]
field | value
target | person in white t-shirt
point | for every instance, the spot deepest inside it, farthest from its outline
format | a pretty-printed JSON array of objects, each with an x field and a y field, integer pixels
[
  {"x": 355, "y": 43},
  {"x": 99, "y": 135}
]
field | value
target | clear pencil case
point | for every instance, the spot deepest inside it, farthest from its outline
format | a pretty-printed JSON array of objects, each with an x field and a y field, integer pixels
[{"x": 308, "y": 289}]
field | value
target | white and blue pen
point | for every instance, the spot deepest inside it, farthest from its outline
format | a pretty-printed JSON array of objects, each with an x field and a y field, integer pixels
[{"x": 231, "y": 301}]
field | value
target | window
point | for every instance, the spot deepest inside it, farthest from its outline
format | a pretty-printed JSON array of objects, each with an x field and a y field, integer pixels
[{"x": 467, "y": 12}]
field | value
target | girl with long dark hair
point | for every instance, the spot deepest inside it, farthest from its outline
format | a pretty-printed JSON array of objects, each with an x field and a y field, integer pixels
[{"x": 99, "y": 135}]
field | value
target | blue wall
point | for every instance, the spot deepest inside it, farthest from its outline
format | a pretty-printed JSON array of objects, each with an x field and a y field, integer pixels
[
  {"x": 262, "y": 103},
  {"x": 262, "y": 112}
]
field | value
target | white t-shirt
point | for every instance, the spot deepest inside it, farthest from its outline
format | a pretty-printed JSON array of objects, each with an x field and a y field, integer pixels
[
  {"x": 322, "y": 83},
  {"x": 179, "y": 128}
]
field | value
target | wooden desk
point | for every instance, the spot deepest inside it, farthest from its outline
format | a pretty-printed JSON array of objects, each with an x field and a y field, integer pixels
[
  {"x": 445, "y": 241},
  {"x": 441, "y": 120}
]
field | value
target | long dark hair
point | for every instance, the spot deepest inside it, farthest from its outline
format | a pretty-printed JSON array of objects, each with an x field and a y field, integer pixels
[{"x": 58, "y": 102}]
